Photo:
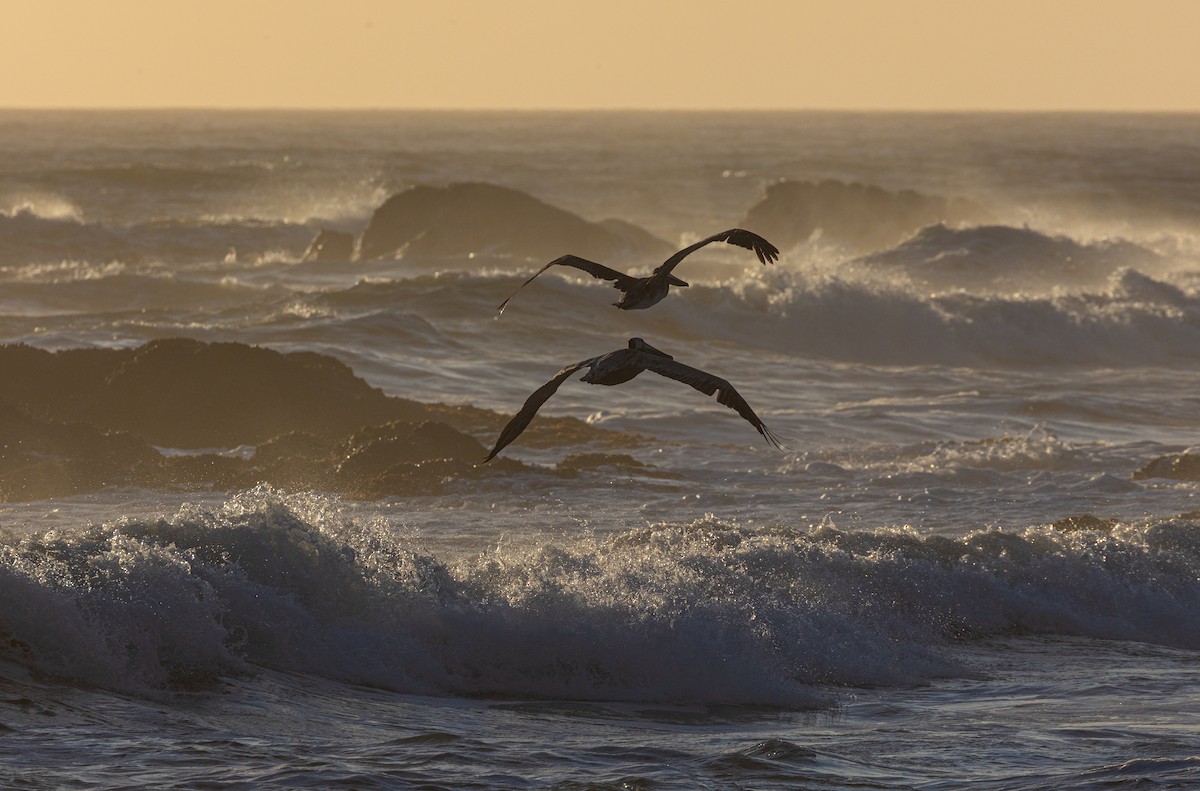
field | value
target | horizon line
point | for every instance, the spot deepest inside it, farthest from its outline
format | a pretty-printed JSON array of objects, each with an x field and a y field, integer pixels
[{"x": 631, "y": 109}]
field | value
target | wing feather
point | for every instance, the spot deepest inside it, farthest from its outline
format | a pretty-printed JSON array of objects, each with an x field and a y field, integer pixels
[
  {"x": 767, "y": 253},
  {"x": 540, "y": 396},
  {"x": 709, "y": 384},
  {"x": 600, "y": 271}
]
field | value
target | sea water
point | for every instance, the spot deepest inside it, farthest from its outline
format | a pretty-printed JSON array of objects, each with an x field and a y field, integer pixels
[{"x": 953, "y": 576}]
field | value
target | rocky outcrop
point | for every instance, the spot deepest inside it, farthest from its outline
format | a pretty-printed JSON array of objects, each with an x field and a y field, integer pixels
[
  {"x": 42, "y": 458},
  {"x": 861, "y": 217},
  {"x": 187, "y": 394},
  {"x": 1177, "y": 467},
  {"x": 461, "y": 219},
  {"x": 81, "y": 420},
  {"x": 405, "y": 458}
]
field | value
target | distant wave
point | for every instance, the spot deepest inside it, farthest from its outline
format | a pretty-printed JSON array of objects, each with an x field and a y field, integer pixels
[
  {"x": 30, "y": 238},
  {"x": 699, "y": 612},
  {"x": 113, "y": 289},
  {"x": 1131, "y": 318},
  {"x": 47, "y": 205},
  {"x": 1004, "y": 258},
  {"x": 1135, "y": 319},
  {"x": 991, "y": 295}
]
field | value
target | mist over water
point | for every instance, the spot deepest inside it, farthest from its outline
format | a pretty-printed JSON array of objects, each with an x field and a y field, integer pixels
[{"x": 980, "y": 346}]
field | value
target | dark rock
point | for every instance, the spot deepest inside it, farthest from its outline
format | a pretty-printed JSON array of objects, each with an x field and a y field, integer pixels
[
  {"x": 411, "y": 479},
  {"x": 1178, "y": 467},
  {"x": 617, "y": 462},
  {"x": 187, "y": 394},
  {"x": 80, "y": 420},
  {"x": 401, "y": 459},
  {"x": 330, "y": 246},
  {"x": 862, "y": 217},
  {"x": 461, "y": 219},
  {"x": 296, "y": 460},
  {"x": 41, "y": 458},
  {"x": 375, "y": 450},
  {"x": 54, "y": 385},
  {"x": 291, "y": 446}
]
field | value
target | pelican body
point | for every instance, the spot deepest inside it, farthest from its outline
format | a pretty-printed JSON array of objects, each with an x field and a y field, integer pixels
[
  {"x": 618, "y": 367},
  {"x": 639, "y": 293}
]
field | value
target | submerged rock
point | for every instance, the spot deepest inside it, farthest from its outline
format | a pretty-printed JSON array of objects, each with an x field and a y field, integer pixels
[
  {"x": 1178, "y": 467},
  {"x": 461, "y": 219},
  {"x": 406, "y": 458},
  {"x": 374, "y": 450},
  {"x": 611, "y": 462},
  {"x": 861, "y": 217}
]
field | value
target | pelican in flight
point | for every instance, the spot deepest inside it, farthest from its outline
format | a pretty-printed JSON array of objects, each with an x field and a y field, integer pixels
[
  {"x": 638, "y": 293},
  {"x": 620, "y": 366}
]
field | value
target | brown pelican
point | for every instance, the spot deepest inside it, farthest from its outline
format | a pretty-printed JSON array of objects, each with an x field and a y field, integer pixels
[
  {"x": 620, "y": 366},
  {"x": 642, "y": 292}
]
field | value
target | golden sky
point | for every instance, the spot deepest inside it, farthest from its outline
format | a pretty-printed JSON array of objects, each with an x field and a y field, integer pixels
[{"x": 604, "y": 54}]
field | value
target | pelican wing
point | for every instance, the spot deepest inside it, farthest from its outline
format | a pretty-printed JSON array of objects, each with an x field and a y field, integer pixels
[
  {"x": 708, "y": 384},
  {"x": 600, "y": 271},
  {"x": 540, "y": 396},
  {"x": 767, "y": 253}
]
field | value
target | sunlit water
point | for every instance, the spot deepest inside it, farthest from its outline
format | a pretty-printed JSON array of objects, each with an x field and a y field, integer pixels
[{"x": 884, "y": 605}]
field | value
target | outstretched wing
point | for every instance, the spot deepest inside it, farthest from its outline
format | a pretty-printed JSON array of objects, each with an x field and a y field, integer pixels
[
  {"x": 532, "y": 404},
  {"x": 622, "y": 280},
  {"x": 708, "y": 384},
  {"x": 767, "y": 253}
]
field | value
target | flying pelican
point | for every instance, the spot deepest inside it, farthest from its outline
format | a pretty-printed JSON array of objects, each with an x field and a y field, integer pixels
[
  {"x": 620, "y": 366},
  {"x": 638, "y": 293}
]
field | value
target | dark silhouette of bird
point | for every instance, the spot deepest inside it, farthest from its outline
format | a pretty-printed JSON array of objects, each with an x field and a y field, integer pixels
[
  {"x": 638, "y": 293},
  {"x": 618, "y": 367}
]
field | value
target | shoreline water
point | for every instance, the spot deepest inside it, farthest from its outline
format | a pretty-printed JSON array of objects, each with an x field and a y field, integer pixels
[{"x": 976, "y": 566}]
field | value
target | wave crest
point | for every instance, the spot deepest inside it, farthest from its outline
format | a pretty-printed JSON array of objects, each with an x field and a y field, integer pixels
[{"x": 706, "y": 611}]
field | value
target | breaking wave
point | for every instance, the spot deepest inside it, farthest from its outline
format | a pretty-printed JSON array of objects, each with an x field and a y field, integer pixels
[{"x": 706, "y": 611}]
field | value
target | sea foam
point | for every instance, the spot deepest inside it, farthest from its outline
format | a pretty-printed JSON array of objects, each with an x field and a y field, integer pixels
[{"x": 701, "y": 611}]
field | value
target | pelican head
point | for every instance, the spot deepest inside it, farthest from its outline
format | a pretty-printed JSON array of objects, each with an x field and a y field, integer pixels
[{"x": 639, "y": 345}]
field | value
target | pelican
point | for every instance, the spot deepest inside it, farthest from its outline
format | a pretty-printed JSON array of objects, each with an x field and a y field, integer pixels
[
  {"x": 638, "y": 293},
  {"x": 620, "y": 366}
]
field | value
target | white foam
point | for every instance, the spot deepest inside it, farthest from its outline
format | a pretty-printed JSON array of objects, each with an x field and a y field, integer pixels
[{"x": 703, "y": 611}]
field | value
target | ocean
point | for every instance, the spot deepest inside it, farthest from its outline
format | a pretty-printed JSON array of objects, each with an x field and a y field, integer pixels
[{"x": 976, "y": 563}]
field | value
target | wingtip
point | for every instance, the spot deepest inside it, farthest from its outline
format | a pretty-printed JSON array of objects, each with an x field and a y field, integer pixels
[{"x": 774, "y": 439}]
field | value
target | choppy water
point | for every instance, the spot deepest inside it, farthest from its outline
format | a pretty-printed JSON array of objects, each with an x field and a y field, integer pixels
[{"x": 951, "y": 578}]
